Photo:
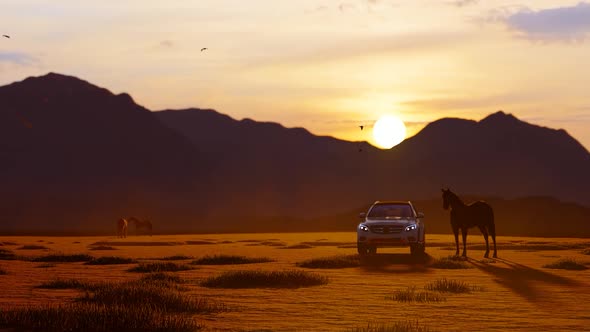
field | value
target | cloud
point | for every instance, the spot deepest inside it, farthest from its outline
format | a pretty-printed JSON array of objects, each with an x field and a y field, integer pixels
[
  {"x": 463, "y": 3},
  {"x": 554, "y": 24},
  {"x": 18, "y": 58},
  {"x": 317, "y": 9},
  {"x": 343, "y": 7}
]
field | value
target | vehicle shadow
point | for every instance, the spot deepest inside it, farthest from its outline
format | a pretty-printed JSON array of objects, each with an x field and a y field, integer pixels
[
  {"x": 395, "y": 263},
  {"x": 524, "y": 280}
]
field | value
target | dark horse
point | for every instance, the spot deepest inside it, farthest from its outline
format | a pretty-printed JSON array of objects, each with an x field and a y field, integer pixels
[
  {"x": 144, "y": 225},
  {"x": 464, "y": 216}
]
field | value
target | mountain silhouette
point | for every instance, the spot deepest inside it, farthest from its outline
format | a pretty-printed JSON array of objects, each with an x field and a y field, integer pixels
[
  {"x": 76, "y": 156},
  {"x": 88, "y": 154}
]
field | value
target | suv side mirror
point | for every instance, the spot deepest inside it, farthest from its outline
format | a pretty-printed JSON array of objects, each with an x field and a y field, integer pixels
[
  {"x": 362, "y": 215},
  {"x": 420, "y": 214}
]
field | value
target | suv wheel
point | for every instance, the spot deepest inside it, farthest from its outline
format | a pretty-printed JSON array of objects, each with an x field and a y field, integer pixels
[
  {"x": 362, "y": 249},
  {"x": 417, "y": 249}
]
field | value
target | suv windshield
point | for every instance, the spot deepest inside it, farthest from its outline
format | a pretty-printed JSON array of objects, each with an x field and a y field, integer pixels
[{"x": 384, "y": 211}]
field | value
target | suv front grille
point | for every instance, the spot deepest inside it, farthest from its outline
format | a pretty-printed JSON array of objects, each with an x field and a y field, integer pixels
[{"x": 386, "y": 229}]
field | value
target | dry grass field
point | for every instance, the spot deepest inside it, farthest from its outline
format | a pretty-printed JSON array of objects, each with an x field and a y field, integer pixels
[{"x": 295, "y": 282}]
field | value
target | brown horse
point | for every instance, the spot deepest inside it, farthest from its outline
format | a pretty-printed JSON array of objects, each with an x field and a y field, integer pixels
[
  {"x": 122, "y": 226},
  {"x": 465, "y": 216},
  {"x": 145, "y": 226}
]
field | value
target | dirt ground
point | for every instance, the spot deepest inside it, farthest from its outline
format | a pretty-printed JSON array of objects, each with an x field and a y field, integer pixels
[{"x": 519, "y": 294}]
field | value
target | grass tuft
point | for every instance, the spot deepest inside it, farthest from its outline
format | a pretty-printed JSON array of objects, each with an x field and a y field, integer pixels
[
  {"x": 63, "y": 258},
  {"x": 410, "y": 294},
  {"x": 160, "y": 267},
  {"x": 395, "y": 327},
  {"x": 298, "y": 246},
  {"x": 265, "y": 279},
  {"x": 175, "y": 258},
  {"x": 102, "y": 247},
  {"x": 334, "y": 262},
  {"x": 586, "y": 252},
  {"x": 155, "y": 296},
  {"x": 6, "y": 254},
  {"x": 94, "y": 317},
  {"x": 199, "y": 242},
  {"x": 229, "y": 259},
  {"x": 450, "y": 262},
  {"x": 32, "y": 247},
  {"x": 162, "y": 277},
  {"x": 110, "y": 260},
  {"x": 566, "y": 264},
  {"x": 451, "y": 286},
  {"x": 64, "y": 284}
]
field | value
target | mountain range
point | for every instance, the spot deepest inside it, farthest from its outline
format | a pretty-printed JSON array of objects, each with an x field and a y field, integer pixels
[{"x": 75, "y": 157}]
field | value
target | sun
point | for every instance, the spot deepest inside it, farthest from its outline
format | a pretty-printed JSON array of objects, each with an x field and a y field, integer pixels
[{"x": 389, "y": 131}]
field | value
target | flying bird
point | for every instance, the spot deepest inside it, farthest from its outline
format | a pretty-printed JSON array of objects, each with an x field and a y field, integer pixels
[
  {"x": 204, "y": 48},
  {"x": 361, "y": 127},
  {"x": 6, "y": 36}
]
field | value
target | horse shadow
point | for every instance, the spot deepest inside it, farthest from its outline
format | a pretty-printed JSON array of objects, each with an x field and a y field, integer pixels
[
  {"x": 523, "y": 280},
  {"x": 396, "y": 263}
]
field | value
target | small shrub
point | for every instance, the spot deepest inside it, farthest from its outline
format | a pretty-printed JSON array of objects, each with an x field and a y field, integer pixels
[
  {"x": 8, "y": 243},
  {"x": 265, "y": 279},
  {"x": 410, "y": 294},
  {"x": 103, "y": 248},
  {"x": 94, "y": 317},
  {"x": 586, "y": 252},
  {"x": 450, "y": 262},
  {"x": 64, "y": 284},
  {"x": 395, "y": 327},
  {"x": 566, "y": 264},
  {"x": 229, "y": 259},
  {"x": 335, "y": 262},
  {"x": 159, "y": 267},
  {"x": 32, "y": 247},
  {"x": 45, "y": 266},
  {"x": 110, "y": 260},
  {"x": 3, "y": 271},
  {"x": 451, "y": 286},
  {"x": 63, "y": 258}
]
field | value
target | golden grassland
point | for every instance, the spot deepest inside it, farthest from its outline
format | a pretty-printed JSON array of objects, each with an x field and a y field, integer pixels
[{"x": 245, "y": 282}]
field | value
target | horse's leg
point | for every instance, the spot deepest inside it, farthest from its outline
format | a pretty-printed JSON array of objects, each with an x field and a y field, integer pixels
[
  {"x": 484, "y": 231},
  {"x": 456, "y": 232},
  {"x": 492, "y": 228},
  {"x": 464, "y": 234}
]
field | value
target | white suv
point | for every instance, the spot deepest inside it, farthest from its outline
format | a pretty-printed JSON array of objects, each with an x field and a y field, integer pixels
[{"x": 391, "y": 224}]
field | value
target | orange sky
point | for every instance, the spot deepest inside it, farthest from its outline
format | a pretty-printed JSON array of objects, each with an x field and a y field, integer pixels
[{"x": 325, "y": 65}]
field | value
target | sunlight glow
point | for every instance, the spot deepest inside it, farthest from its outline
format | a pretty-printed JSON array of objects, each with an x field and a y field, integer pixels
[{"x": 389, "y": 131}]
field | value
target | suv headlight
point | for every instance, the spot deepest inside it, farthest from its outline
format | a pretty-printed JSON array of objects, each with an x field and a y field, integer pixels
[
  {"x": 410, "y": 228},
  {"x": 363, "y": 228}
]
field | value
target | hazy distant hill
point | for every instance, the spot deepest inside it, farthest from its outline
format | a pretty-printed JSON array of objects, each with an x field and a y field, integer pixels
[{"x": 76, "y": 156}]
